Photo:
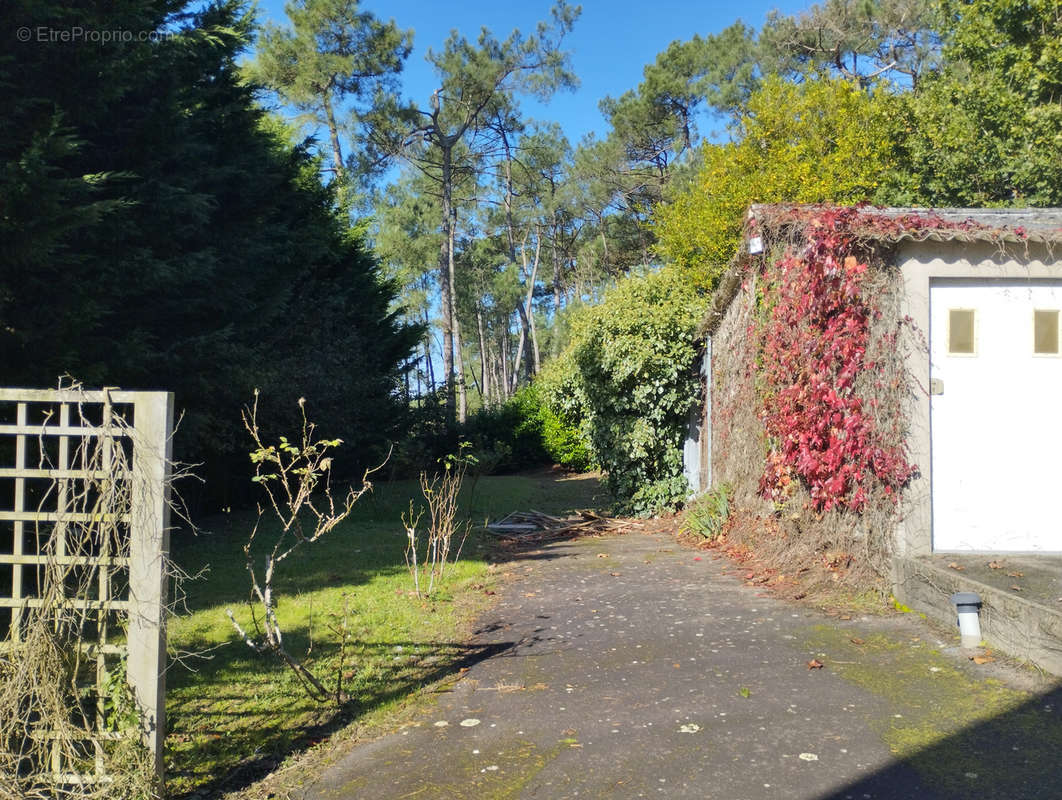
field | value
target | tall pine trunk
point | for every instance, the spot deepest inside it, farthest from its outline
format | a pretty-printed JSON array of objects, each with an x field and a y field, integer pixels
[
  {"x": 555, "y": 342},
  {"x": 429, "y": 366},
  {"x": 484, "y": 372},
  {"x": 333, "y": 135},
  {"x": 453, "y": 362},
  {"x": 503, "y": 348},
  {"x": 447, "y": 329}
]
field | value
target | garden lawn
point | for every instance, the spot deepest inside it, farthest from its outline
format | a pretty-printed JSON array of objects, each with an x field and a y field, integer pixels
[{"x": 233, "y": 714}]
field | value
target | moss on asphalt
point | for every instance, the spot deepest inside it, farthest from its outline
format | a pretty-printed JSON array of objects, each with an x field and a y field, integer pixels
[{"x": 965, "y": 733}]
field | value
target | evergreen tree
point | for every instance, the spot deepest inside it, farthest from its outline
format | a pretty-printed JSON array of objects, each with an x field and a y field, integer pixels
[
  {"x": 159, "y": 231},
  {"x": 987, "y": 130},
  {"x": 332, "y": 55}
]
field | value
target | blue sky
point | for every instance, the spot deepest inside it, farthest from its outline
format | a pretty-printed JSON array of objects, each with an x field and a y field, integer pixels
[{"x": 612, "y": 42}]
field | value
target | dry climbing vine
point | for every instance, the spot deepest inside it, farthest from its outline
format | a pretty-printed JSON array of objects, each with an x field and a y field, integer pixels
[{"x": 70, "y": 726}]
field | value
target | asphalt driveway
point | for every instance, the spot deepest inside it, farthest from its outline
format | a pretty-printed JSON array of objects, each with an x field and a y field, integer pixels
[{"x": 629, "y": 667}]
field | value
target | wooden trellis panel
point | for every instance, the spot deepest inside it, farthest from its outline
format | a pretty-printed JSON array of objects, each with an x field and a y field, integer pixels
[{"x": 60, "y": 451}]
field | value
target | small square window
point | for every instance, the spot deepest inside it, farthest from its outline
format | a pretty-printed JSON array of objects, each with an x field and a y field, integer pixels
[
  {"x": 1045, "y": 332},
  {"x": 961, "y": 331}
]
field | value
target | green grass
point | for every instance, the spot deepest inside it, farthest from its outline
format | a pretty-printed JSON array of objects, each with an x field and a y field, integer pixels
[{"x": 238, "y": 713}]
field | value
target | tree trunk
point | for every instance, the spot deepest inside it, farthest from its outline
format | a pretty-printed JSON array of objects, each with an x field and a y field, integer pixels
[
  {"x": 459, "y": 358},
  {"x": 503, "y": 348},
  {"x": 521, "y": 345},
  {"x": 430, "y": 367},
  {"x": 528, "y": 339},
  {"x": 534, "y": 346},
  {"x": 484, "y": 372},
  {"x": 555, "y": 341},
  {"x": 556, "y": 271},
  {"x": 475, "y": 383},
  {"x": 448, "y": 336},
  {"x": 496, "y": 379},
  {"x": 452, "y": 363},
  {"x": 530, "y": 310},
  {"x": 509, "y": 229},
  {"x": 333, "y": 134}
]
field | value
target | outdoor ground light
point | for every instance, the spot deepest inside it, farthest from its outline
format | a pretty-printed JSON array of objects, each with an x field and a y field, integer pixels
[{"x": 968, "y": 604}]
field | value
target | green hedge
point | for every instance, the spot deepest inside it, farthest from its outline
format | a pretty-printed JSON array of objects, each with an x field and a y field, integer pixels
[
  {"x": 522, "y": 433},
  {"x": 626, "y": 384}
]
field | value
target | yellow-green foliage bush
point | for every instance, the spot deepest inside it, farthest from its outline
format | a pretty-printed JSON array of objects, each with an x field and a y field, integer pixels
[{"x": 819, "y": 141}]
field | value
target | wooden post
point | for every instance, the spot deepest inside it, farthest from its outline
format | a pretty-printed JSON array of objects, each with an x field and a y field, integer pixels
[{"x": 148, "y": 553}]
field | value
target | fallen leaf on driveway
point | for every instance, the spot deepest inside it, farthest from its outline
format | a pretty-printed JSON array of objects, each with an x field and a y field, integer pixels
[
  {"x": 981, "y": 659},
  {"x": 815, "y": 664},
  {"x": 856, "y": 640},
  {"x": 808, "y": 757},
  {"x": 1016, "y": 574}
]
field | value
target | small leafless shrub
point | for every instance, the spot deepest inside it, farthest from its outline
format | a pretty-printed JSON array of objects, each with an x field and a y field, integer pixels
[
  {"x": 429, "y": 554},
  {"x": 296, "y": 479}
]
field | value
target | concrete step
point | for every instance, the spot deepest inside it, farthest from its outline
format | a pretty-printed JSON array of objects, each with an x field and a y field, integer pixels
[{"x": 1022, "y": 597}]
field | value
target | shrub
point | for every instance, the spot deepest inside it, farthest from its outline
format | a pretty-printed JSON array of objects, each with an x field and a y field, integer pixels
[
  {"x": 522, "y": 433},
  {"x": 563, "y": 441},
  {"x": 707, "y": 514},
  {"x": 507, "y": 438},
  {"x": 627, "y": 383},
  {"x": 429, "y": 555},
  {"x": 428, "y": 438}
]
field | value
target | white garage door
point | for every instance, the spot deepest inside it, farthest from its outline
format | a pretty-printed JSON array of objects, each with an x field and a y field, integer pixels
[{"x": 996, "y": 416}]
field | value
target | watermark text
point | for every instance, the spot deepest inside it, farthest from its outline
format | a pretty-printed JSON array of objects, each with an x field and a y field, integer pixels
[{"x": 76, "y": 34}]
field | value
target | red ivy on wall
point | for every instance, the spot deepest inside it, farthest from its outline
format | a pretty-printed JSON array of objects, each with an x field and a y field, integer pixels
[{"x": 814, "y": 342}]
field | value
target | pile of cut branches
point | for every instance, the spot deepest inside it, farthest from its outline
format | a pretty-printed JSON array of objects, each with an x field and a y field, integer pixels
[{"x": 536, "y": 527}]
